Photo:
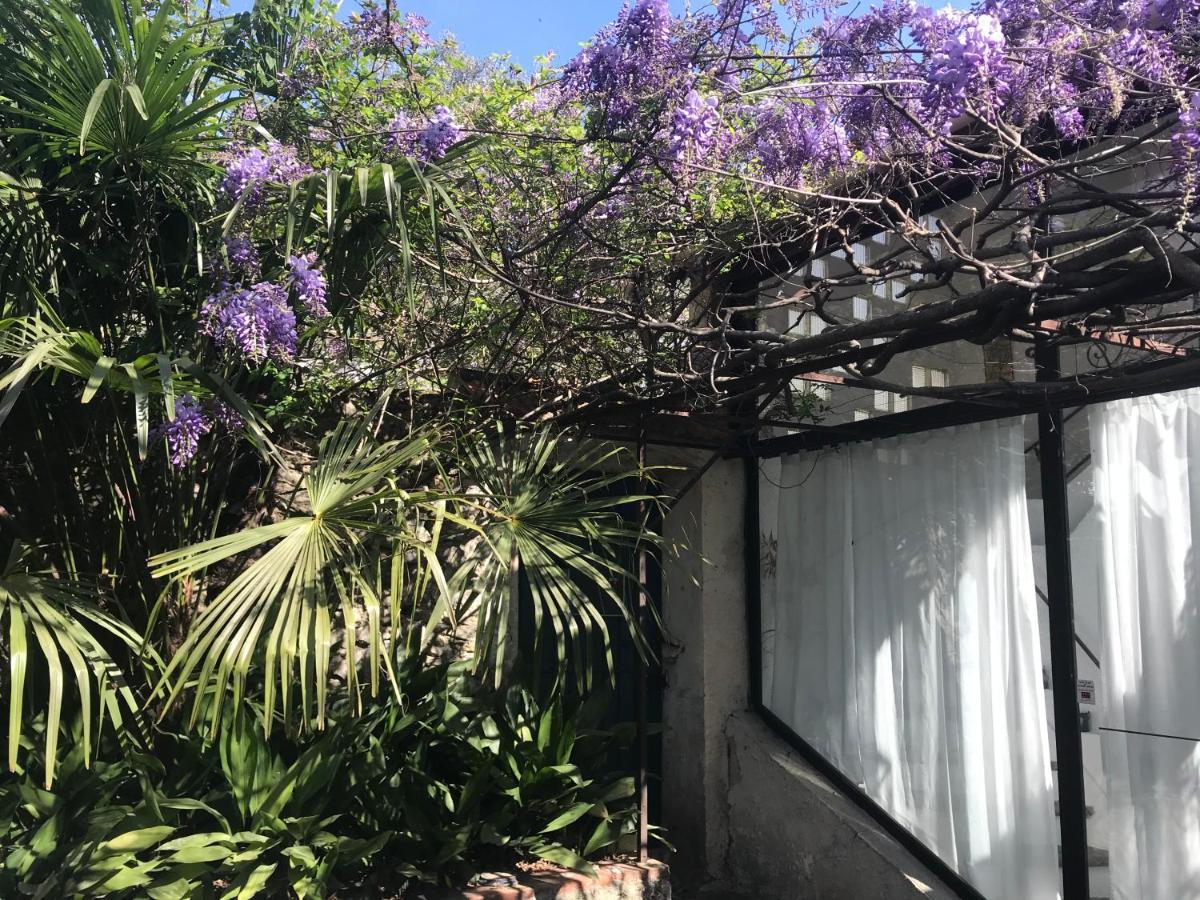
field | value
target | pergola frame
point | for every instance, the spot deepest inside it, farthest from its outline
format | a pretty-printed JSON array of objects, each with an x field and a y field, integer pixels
[{"x": 1047, "y": 399}]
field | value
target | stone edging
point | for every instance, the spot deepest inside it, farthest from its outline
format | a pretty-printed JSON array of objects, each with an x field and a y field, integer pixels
[{"x": 614, "y": 881}]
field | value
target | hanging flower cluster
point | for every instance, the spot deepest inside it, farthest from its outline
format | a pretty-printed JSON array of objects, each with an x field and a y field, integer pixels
[
  {"x": 1186, "y": 139},
  {"x": 423, "y": 142},
  {"x": 243, "y": 257},
  {"x": 247, "y": 167},
  {"x": 309, "y": 283},
  {"x": 183, "y": 434},
  {"x": 193, "y": 420},
  {"x": 796, "y": 135},
  {"x": 378, "y": 30},
  {"x": 628, "y": 62},
  {"x": 969, "y": 63},
  {"x": 693, "y": 128},
  {"x": 256, "y": 321}
]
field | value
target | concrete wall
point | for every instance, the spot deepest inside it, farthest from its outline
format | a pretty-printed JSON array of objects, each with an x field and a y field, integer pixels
[{"x": 746, "y": 814}]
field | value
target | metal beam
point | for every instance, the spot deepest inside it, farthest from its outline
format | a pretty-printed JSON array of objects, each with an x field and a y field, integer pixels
[
  {"x": 1064, "y": 674},
  {"x": 1116, "y": 338},
  {"x": 1156, "y": 378}
]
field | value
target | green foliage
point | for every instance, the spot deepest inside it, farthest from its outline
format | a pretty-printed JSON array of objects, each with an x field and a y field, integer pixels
[
  {"x": 278, "y": 613},
  {"x": 465, "y": 777},
  {"x": 452, "y": 780},
  {"x": 102, "y": 105},
  {"x": 51, "y": 619},
  {"x": 553, "y": 514},
  {"x": 231, "y": 678}
]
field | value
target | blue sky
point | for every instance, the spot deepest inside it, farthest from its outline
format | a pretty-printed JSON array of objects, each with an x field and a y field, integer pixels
[{"x": 524, "y": 28}]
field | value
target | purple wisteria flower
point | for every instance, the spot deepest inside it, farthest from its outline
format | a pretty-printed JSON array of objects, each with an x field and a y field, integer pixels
[
  {"x": 628, "y": 61},
  {"x": 183, "y": 433},
  {"x": 969, "y": 62},
  {"x": 423, "y": 142},
  {"x": 308, "y": 283},
  {"x": 792, "y": 137},
  {"x": 1069, "y": 122},
  {"x": 247, "y": 167},
  {"x": 441, "y": 132},
  {"x": 226, "y": 416},
  {"x": 1186, "y": 140},
  {"x": 255, "y": 321},
  {"x": 693, "y": 129},
  {"x": 380, "y": 30},
  {"x": 243, "y": 258},
  {"x": 297, "y": 83}
]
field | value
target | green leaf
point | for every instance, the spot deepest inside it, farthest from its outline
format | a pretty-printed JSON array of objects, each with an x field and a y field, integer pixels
[
  {"x": 139, "y": 102},
  {"x": 93, "y": 107},
  {"x": 141, "y": 408},
  {"x": 254, "y": 884},
  {"x": 99, "y": 373},
  {"x": 573, "y": 813},
  {"x": 557, "y": 853},
  {"x": 606, "y": 833},
  {"x": 138, "y": 839},
  {"x": 167, "y": 379}
]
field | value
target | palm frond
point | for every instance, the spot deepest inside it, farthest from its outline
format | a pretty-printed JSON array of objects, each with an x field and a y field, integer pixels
[
  {"x": 104, "y": 83},
  {"x": 68, "y": 631},
  {"x": 280, "y": 615},
  {"x": 44, "y": 343},
  {"x": 99, "y": 103},
  {"x": 561, "y": 513}
]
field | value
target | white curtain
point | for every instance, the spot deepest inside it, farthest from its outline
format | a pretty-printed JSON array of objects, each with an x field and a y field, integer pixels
[
  {"x": 901, "y": 640},
  {"x": 1146, "y": 454}
]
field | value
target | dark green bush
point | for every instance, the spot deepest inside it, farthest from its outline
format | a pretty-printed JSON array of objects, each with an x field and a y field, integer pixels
[{"x": 434, "y": 786}]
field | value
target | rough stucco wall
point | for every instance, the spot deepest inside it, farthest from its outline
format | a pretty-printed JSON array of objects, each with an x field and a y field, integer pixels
[
  {"x": 742, "y": 809},
  {"x": 683, "y": 701},
  {"x": 792, "y": 835}
]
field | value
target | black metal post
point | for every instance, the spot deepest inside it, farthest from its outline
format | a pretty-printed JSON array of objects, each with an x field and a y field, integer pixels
[
  {"x": 753, "y": 561},
  {"x": 1064, "y": 675},
  {"x": 643, "y": 689}
]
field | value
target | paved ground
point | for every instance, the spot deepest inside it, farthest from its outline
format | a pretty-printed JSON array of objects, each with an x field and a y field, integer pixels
[{"x": 708, "y": 892}]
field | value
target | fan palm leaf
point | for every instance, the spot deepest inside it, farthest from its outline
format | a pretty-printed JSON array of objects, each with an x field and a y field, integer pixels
[
  {"x": 66, "y": 628},
  {"x": 279, "y": 615},
  {"x": 105, "y": 84},
  {"x": 559, "y": 512},
  {"x": 99, "y": 102}
]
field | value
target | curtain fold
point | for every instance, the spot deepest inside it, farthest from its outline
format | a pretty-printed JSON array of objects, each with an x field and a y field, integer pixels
[
  {"x": 901, "y": 640},
  {"x": 1146, "y": 458}
]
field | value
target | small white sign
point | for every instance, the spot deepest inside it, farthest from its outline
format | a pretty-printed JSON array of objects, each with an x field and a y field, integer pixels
[{"x": 1087, "y": 692}]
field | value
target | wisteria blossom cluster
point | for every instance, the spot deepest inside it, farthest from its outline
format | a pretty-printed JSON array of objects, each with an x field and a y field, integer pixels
[
  {"x": 385, "y": 30},
  {"x": 308, "y": 282},
  {"x": 248, "y": 167},
  {"x": 184, "y": 432},
  {"x": 1186, "y": 139},
  {"x": 899, "y": 82},
  {"x": 255, "y": 321},
  {"x": 969, "y": 62},
  {"x": 193, "y": 420},
  {"x": 627, "y": 64},
  {"x": 693, "y": 128},
  {"x": 242, "y": 256},
  {"x": 423, "y": 141}
]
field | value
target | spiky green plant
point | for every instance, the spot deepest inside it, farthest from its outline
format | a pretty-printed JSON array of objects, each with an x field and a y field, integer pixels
[{"x": 57, "y": 622}]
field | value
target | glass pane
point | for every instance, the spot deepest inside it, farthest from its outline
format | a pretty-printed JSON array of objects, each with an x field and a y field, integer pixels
[
  {"x": 901, "y": 640},
  {"x": 1135, "y": 506}
]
